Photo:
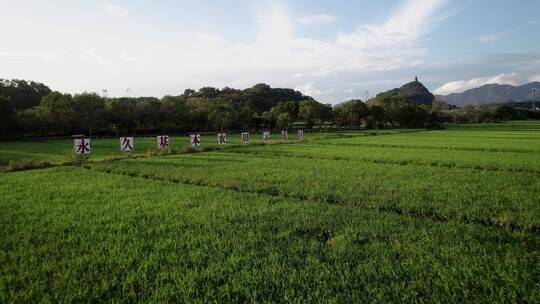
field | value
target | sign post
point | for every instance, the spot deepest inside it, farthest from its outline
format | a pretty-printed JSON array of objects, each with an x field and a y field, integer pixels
[
  {"x": 126, "y": 144},
  {"x": 245, "y": 137},
  {"x": 163, "y": 141},
  {"x": 266, "y": 137},
  {"x": 195, "y": 140},
  {"x": 300, "y": 135},
  {"x": 222, "y": 138},
  {"x": 82, "y": 146}
]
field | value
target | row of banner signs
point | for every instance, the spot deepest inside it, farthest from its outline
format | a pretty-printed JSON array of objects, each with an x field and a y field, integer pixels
[{"x": 82, "y": 145}]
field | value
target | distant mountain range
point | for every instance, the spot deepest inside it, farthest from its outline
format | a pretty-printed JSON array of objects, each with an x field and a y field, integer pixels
[{"x": 493, "y": 93}]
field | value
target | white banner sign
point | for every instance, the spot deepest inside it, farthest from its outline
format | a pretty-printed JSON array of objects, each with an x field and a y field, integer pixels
[
  {"x": 245, "y": 137},
  {"x": 82, "y": 146},
  {"x": 195, "y": 140},
  {"x": 300, "y": 134},
  {"x": 266, "y": 137},
  {"x": 126, "y": 144},
  {"x": 284, "y": 135},
  {"x": 163, "y": 141},
  {"x": 222, "y": 138}
]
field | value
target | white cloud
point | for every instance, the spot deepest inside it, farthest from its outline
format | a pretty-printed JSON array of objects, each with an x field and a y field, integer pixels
[
  {"x": 311, "y": 90},
  {"x": 124, "y": 56},
  {"x": 273, "y": 25},
  {"x": 534, "y": 78},
  {"x": 115, "y": 10},
  {"x": 91, "y": 54},
  {"x": 407, "y": 24},
  {"x": 384, "y": 46},
  {"x": 396, "y": 41},
  {"x": 461, "y": 86},
  {"x": 308, "y": 89},
  {"x": 179, "y": 58},
  {"x": 490, "y": 38},
  {"x": 277, "y": 54},
  {"x": 317, "y": 19},
  {"x": 208, "y": 38}
]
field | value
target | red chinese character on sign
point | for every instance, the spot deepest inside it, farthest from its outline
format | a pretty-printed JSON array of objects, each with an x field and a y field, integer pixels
[
  {"x": 245, "y": 137},
  {"x": 82, "y": 146},
  {"x": 195, "y": 140},
  {"x": 163, "y": 141},
  {"x": 222, "y": 138}
]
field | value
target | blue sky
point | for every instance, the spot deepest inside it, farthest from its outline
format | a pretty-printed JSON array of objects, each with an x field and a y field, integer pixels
[{"x": 331, "y": 50}]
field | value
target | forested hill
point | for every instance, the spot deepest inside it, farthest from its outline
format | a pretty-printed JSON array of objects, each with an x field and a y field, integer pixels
[
  {"x": 23, "y": 94},
  {"x": 30, "y": 108},
  {"x": 261, "y": 96},
  {"x": 414, "y": 91}
]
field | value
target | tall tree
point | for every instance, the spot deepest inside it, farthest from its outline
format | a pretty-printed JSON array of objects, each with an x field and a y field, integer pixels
[
  {"x": 23, "y": 94},
  {"x": 90, "y": 109},
  {"x": 402, "y": 112},
  {"x": 352, "y": 113},
  {"x": 58, "y": 113},
  {"x": 313, "y": 112},
  {"x": 122, "y": 115},
  {"x": 504, "y": 112},
  {"x": 7, "y": 118}
]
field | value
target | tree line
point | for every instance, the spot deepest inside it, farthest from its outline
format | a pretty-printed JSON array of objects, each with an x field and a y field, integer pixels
[
  {"x": 208, "y": 109},
  {"x": 493, "y": 113}
]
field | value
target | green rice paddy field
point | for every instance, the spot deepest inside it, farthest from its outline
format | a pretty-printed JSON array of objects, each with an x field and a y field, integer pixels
[{"x": 392, "y": 216}]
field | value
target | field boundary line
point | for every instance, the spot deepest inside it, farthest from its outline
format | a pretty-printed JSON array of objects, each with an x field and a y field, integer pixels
[
  {"x": 392, "y": 162},
  {"x": 273, "y": 192},
  {"x": 380, "y": 145}
]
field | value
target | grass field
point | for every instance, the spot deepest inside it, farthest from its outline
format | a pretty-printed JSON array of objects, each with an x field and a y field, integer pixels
[{"x": 427, "y": 216}]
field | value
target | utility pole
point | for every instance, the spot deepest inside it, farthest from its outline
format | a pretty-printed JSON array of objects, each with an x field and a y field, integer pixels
[
  {"x": 534, "y": 92},
  {"x": 366, "y": 96}
]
